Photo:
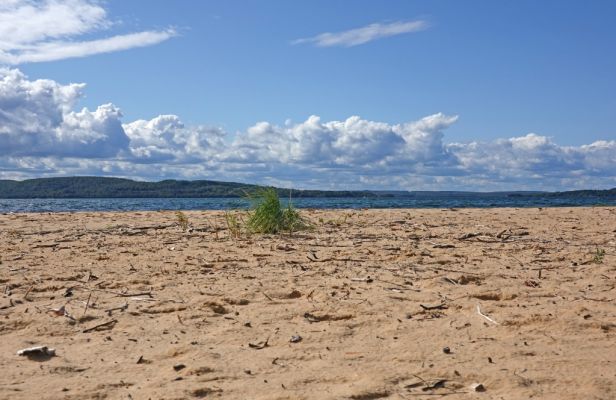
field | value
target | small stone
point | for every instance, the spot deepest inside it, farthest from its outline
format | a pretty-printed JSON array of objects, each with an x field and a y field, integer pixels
[
  {"x": 446, "y": 350},
  {"x": 296, "y": 339},
  {"x": 478, "y": 387},
  {"x": 179, "y": 367}
]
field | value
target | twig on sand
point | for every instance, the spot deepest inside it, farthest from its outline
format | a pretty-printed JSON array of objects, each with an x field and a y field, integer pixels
[
  {"x": 437, "y": 307},
  {"x": 485, "y": 316},
  {"x": 28, "y": 292},
  {"x": 142, "y": 299},
  {"x": 469, "y": 235},
  {"x": 117, "y": 294},
  {"x": 87, "y": 304},
  {"x": 123, "y": 307},
  {"x": 95, "y": 327},
  {"x": 149, "y": 294}
]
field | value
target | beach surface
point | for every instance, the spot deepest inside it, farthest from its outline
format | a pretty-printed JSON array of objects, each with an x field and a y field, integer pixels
[{"x": 370, "y": 304}]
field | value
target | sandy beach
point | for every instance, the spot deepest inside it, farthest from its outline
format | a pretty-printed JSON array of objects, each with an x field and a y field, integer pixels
[{"x": 370, "y": 304}]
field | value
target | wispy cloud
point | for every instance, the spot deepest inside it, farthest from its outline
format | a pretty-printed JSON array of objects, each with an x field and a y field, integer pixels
[
  {"x": 365, "y": 34},
  {"x": 49, "y": 30}
]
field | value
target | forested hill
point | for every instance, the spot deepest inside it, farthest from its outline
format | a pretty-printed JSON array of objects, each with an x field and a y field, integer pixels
[{"x": 100, "y": 187}]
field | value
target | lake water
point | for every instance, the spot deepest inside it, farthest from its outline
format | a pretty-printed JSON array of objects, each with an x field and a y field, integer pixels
[{"x": 424, "y": 200}]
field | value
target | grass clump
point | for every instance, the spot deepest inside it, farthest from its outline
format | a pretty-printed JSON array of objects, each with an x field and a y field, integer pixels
[
  {"x": 598, "y": 256},
  {"x": 269, "y": 216},
  {"x": 233, "y": 225},
  {"x": 182, "y": 220}
]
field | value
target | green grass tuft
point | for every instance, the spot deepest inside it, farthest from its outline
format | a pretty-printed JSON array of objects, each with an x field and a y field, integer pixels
[
  {"x": 182, "y": 220},
  {"x": 598, "y": 256},
  {"x": 268, "y": 215},
  {"x": 233, "y": 225}
]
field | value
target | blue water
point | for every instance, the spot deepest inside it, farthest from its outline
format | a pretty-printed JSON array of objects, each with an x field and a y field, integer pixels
[{"x": 431, "y": 200}]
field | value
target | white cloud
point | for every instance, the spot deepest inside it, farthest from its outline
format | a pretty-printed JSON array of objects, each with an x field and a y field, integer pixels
[
  {"x": 42, "y": 135},
  {"x": 165, "y": 138},
  {"x": 365, "y": 34},
  {"x": 36, "y": 118},
  {"x": 48, "y": 30}
]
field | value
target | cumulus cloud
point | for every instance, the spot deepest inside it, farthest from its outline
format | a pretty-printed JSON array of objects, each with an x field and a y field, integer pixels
[
  {"x": 48, "y": 30},
  {"x": 165, "y": 138},
  {"x": 37, "y": 118},
  {"x": 42, "y": 135},
  {"x": 365, "y": 34}
]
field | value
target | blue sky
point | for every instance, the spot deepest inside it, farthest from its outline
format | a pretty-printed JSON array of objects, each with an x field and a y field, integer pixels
[{"x": 476, "y": 95}]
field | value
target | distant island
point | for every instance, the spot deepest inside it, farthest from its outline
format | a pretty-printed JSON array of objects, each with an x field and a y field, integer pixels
[{"x": 103, "y": 187}]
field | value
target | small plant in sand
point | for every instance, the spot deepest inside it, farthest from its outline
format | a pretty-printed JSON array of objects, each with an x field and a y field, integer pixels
[
  {"x": 338, "y": 222},
  {"x": 182, "y": 220},
  {"x": 598, "y": 256},
  {"x": 233, "y": 224},
  {"x": 269, "y": 216}
]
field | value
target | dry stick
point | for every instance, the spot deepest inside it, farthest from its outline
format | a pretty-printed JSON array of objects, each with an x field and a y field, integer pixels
[
  {"x": 434, "y": 394},
  {"x": 113, "y": 321},
  {"x": 485, "y": 316},
  {"x": 28, "y": 292},
  {"x": 118, "y": 294},
  {"x": 149, "y": 294},
  {"x": 87, "y": 304},
  {"x": 120, "y": 308}
]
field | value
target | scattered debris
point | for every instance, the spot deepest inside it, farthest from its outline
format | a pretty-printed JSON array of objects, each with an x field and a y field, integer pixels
[
  {"x": 326, "y": 317},
  {"x": 142, "y": 360},
  {"x": 260, "y": 345},
  {"x": 469, "y": 235},
  {"x": 531, "y": 283},
  {"x": 443, "y": 246},
  {"x": 285, "y": 247},
  {"x": 366, "y": 279},
  {"x": 438, "y": 384},
  {"x": 37, "y": 351},
  {"x": 61, "y": 312}
]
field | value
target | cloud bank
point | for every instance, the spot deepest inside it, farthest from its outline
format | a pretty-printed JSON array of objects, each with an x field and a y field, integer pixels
[
  {"x": 48, "y": 30},
  {"x": 41, "y": 134},
  {"x": 365, "y": 34}
]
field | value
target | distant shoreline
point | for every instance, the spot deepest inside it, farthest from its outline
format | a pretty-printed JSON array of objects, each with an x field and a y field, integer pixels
[{"x": 84, "y": 187}]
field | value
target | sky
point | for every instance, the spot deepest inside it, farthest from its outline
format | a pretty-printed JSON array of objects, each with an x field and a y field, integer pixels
[{"x": 396, "y": 95}]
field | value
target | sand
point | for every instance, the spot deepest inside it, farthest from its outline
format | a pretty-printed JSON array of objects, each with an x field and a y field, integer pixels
[{"x": 385, "y": 303}]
